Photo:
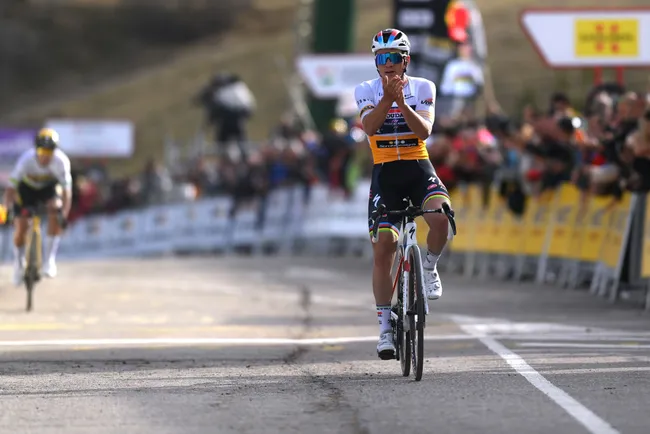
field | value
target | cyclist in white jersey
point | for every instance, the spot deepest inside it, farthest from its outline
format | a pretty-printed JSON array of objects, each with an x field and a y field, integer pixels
[
  {"x": 36, "y": 179},
  {"x": 397, "y": 112}
]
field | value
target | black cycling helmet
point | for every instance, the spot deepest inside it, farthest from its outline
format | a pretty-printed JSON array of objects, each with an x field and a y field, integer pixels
[{"x": 47, "y": 138}]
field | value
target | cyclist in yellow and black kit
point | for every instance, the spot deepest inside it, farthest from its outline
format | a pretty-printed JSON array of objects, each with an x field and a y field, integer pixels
[
  {"x": 397, "y": 112},
  {"x": 38, "y": 175}
]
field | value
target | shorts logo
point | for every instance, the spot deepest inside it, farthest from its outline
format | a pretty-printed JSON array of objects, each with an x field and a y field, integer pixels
[
  {"x": 433, "y": 182},
  {"x": 375, "y": 200}
]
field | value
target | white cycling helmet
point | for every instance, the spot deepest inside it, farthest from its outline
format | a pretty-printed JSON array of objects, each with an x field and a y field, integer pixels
[{"x": 391, "y": 38}]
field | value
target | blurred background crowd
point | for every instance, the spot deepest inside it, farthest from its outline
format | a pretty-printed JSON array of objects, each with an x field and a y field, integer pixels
[
  {"x": 595, "y": 138},
  {"x": 601, "y": 144}
]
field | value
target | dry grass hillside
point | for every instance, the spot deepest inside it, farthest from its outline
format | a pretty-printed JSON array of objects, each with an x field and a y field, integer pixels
[{"x": 157, "y": 98}]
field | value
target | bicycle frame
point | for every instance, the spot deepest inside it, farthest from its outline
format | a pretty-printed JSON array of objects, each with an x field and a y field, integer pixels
[
  {"x": 34, "y": 234},
  {"x": 415, "y": 315},
  {"x": 407, "y": 241}
]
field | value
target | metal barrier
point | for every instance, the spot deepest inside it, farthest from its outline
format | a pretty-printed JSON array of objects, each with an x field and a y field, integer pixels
[{"x": 562, "y": 238}]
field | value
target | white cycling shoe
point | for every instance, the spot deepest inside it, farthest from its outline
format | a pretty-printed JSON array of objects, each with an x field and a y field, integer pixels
[
  {"x": 49, "y": 268},
  {"x": 386, "y": 346},
  {"x": 432, "y": 284}
]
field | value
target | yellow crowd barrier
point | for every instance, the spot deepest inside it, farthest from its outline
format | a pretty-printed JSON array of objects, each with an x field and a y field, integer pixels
[
  {"x": 645, "y": 264},
  {"x": 563, "y": 224}
]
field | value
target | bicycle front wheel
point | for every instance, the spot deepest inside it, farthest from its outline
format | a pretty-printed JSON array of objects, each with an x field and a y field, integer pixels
[
  {"x": 402, "y": 338},
  {"x": 416, "y": 311},
  {"x": 31, "y": 268}
]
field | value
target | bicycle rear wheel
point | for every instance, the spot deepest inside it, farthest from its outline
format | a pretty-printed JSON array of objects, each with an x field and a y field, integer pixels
[{"x": 416, "y": 313}]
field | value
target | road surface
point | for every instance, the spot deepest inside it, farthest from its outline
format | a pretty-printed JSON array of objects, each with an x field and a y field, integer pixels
[{"x": 287, "y": 345}]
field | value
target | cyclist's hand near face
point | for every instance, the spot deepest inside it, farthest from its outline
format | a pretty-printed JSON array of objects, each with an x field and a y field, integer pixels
[
  {"x": 399, "y": 84},
  {"x": 387, "y": 89},
  {"x": 394, "y": 88}
]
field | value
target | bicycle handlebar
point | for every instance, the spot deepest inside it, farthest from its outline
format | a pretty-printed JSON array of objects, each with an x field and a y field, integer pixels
[
  {"x": 410, "y": 211},
  {"x": 29, "y": 212}
]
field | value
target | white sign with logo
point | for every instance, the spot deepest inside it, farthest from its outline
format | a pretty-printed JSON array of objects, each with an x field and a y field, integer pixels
[
  {"x": 589, "y": 37},
  {"x": 94, "y": 138},
  {"x": 333, "y": 75}
]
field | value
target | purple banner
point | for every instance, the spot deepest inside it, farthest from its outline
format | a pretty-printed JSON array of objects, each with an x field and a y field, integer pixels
[{"x": 13, "y": 142}]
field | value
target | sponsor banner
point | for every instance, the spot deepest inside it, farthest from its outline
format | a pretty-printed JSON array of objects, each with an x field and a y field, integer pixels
[
  {"x": 13, "y": 142},
  {"x": 335, "y": 75},
  {"x": 94, "y": 138}
]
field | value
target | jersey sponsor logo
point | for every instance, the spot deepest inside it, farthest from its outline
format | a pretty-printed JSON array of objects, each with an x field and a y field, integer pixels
[
  {"x": 394, "y": 123},
  {"x": 427, "y": 101},
  {"x": 403, "y": 143},
  {"x": 364, "y": 100}
]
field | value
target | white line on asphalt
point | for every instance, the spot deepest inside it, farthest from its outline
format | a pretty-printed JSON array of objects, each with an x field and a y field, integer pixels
[
  {"x": 211, "y": 341},
  {"x": 592, "y": 422},
  {"x": 299, "y": 272},
  {"x": 572, "y": 337},
  {"x": 622, "y": 346}
]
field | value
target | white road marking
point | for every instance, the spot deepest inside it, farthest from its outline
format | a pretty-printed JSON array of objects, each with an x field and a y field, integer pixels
[
  {"x": 299, "y": 272},
  {"x": 621, "y": 346},
  {"x": 592, "y": 422},
  {"x": 211, "y": 341},
  {"x": 574, "y": 337}
]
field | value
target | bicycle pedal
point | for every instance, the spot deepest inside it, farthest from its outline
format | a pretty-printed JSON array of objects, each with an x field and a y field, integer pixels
[{"x": 386, "y": 355}]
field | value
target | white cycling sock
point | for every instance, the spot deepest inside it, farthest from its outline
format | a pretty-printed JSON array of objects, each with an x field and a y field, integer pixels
[
  {"x": 431, "y": 260},
  {"x": 383, "y": 315},
  {"x": 52, "y": 247},
  {"x": 19, "y": 253}
]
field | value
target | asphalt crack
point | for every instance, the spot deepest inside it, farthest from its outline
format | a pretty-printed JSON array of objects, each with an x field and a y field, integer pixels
[
  {"x": 306, "y": 323},
  {"x": 335, "y": 401}
]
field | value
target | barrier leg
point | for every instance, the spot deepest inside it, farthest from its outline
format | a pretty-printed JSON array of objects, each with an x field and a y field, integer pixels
[
  {"x": 647, "y": 297},
  {"x": 615, "y": 289},
  {"x": 484, "y": 265},
  {"x": 502, "y": 267},
  {"x": 605, "y": 278},
  {"x": 560, "y": 280},
  {"x": 518, "y": 269},
  {"x": 595, "y": 280},
  {"x": 574, "y": 275},
  {"x": 470, "y": 262}
]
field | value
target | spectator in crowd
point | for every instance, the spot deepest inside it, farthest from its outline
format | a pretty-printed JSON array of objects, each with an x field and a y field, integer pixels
[
  {"x": 604, "y": 151},
  {"x": 228, "y": 104},
  {"x": 156, "y": 184},
  {"x": 462, "y": 81}
]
